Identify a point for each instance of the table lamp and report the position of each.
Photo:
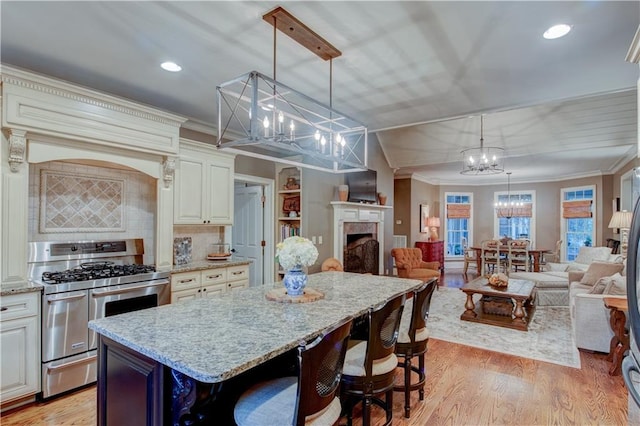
(622, 220)
(433, 223)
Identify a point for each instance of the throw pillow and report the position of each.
(557, 267)
(588, 255)
(598, 270)
(577, 267)
(617, 286)
(600, 285)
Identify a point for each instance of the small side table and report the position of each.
(620, 339)
(432, 251)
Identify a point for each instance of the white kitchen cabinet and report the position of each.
(208, 282)
(203, 191)
(19, 346)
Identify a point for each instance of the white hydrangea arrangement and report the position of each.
(295, 251)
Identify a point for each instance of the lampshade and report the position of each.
(485, 160)
(621, 220)
(433, 222)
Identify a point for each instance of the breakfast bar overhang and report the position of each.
(150, 361)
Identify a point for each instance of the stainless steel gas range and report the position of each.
(82, 281)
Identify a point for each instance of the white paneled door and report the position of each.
(248, 230)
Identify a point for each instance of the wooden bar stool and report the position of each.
(369, 366)
(309, 398)
(412, 341)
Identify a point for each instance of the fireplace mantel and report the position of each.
(346, 212)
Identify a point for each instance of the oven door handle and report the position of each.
(102, 293)
(54, 298)
(86, 360)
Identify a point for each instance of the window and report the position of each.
(458, 222)
(577, 220)
(516, 222)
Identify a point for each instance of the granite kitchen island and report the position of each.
(153, 363)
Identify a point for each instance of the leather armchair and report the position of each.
(410, 264)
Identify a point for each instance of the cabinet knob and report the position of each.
(204, 289)
(4, 308)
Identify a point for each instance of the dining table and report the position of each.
(536, 255)
(161, 360)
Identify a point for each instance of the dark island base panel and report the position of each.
(134, 390)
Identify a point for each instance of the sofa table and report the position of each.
(620, 340)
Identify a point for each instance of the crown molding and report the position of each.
(40, 83)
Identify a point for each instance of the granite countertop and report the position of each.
(23, 287)
(199, 265)
(214, 339)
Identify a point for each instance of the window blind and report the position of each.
(576, 209)
(458, 211)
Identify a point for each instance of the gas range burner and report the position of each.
(95, 270)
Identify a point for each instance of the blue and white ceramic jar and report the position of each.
(295, 280)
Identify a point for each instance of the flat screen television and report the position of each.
(362, 186)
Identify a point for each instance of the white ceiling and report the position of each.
(402, 63)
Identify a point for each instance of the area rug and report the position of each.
(549, 337)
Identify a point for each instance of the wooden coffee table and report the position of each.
(512, 306)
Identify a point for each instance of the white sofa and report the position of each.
(589, 316)
(552, 283)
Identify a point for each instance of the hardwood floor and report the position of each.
(465, 386)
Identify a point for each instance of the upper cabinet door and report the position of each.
(203, 191)
(221, 172)
(190, 179)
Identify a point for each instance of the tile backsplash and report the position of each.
(71, 202)
(88, 202)
(201, 238)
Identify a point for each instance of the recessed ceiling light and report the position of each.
(171, 66)
(557, 31)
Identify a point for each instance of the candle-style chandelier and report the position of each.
(260, 117)
(507, 209)
(485, 160)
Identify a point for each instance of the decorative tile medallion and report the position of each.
(77, 203)
(182, 250)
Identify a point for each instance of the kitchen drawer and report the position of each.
(233, 285)
(185, 281)
(19, 306)
(214, 276)
(237, 273)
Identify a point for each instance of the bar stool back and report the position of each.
(412, 341)
(369, 365)
(309, 398)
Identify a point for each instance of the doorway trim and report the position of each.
(268, 221)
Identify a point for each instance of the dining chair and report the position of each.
(413, 337)
(490, 256)
(518, 256)
(369, 366)
(310, 398)
(469, 256)
(554, 256)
